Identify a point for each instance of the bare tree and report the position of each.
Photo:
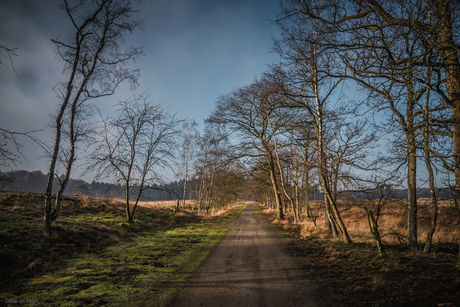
(95, 66)
(377, 197)
(284, 178)
(247, 112)
(304, 149)
(190, 139)
(134, 147)
(307, 76)
(212, 165)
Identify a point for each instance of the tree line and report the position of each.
(34, 181)
(365, 92)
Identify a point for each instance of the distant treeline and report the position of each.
(402, 194)
(394, 194)
(35, 181)
(25, 181)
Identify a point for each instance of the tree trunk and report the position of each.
(282, 179)
(208, 200)
(458, 258)
(333, 220)
(63, 183)
(279, 206)
(449, 54)
(307, 195)
(70, 160)
(185, 177)
(433, 200)
(412, 195)
(185, 190)
(374, 228)
(49, 182)
(57, 140)
(411, 175)
(176, 209)
(328, 222)
(128, 213)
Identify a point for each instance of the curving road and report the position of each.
(250, 268)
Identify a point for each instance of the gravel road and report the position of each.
(250, 267)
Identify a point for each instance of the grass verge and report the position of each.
(355, 275)
(92, 257)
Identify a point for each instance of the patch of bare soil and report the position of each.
(251, 268)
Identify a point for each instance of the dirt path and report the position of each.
(250, 268)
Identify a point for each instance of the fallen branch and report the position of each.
(401, 238)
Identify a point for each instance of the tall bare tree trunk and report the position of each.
(279, 206)
(331, 206)
(426, 149)
(281, 177)
(208, 199)
(449, 54)
(297, 193)
(70, 159)
(128, 213)
(411, 167)
(49, 182)
(57, 139)
(186, 173)
(307, 193)
(412, 193)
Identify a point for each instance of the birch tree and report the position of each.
(190, 139)
(94, 66)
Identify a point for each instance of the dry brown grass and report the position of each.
(166, 204)
(190, 207)
(119, 203)
(220, 211)
(356, 275)
(392, 223)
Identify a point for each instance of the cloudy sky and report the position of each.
(195, 51)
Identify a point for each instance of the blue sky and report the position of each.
(195, 51)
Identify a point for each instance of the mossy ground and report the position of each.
(356, 275)
(92, 257)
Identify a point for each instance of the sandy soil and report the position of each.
(249, 267)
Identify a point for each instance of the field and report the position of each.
(93, 257)
(356, 275)
(393, 223)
